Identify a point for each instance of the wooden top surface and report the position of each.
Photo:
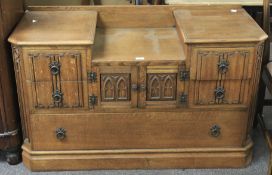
(213, 2)
(224, 25)
(137, 44)
(55, 28)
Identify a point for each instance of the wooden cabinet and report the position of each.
(123, 92)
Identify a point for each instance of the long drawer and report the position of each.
(137, 130)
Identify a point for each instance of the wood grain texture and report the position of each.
(127, 16)
(137, 130)
(36, 29)
(137, 44)
(228, 25)
(206, 62)
(138, 159)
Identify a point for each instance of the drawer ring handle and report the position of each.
(215, 131)
(54, 68)
(57, 96)
(223, 66)
(219, 93)
(60, 133)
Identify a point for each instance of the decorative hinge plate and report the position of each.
(92, 100)
(92, 76)
(184, 74)
(183, 98)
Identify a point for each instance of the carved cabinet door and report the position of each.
(160, 86)
(55, 78)
(115, 87)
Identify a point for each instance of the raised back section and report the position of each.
(133, 16)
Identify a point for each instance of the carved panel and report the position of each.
(56, 72)
(161, 87)
(115, 87)
(221, 92)
(18, 67)
(211, 62)
(222, 63)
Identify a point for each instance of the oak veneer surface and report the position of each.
(42, 28)
(128, 44)
(229, 25)
(128, 16)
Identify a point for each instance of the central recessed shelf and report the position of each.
(137, 44)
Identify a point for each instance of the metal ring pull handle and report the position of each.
(223, 66)
(60, 133)
(54, 68)
(215, 131)
(57, 96)
(219, 93)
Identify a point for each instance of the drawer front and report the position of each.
(225, 92)
(56, 78)
(137, 130)
(221, 63)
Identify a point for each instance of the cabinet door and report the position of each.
(160, 86)
(115, 87)
(55, 78)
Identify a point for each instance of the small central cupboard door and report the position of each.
(115, 87)
(159, 86)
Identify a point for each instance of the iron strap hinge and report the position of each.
(9, 133)
(92, 76)
(184, 73)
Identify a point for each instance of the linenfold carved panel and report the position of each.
(56, 79)
(161, 87)
(115, 87)
(215, 64)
